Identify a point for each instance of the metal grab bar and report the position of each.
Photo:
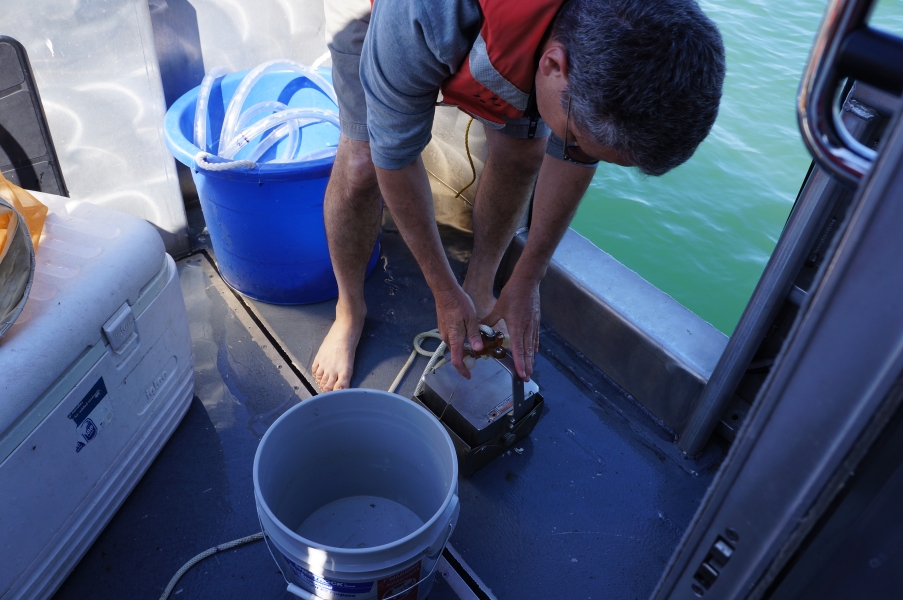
(844, 47)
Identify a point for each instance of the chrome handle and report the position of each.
(832, 146)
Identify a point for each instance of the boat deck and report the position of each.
(591, 505)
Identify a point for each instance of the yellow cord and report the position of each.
(469, 157)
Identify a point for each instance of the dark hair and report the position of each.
(644, 76)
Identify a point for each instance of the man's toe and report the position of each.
(342, 383)
(330, 381)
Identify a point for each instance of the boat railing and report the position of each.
(845, 47)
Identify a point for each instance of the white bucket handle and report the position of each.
(450, 510)
(209, 162)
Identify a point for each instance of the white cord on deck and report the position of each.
(418, 349)
(209, 552)
(437, 357)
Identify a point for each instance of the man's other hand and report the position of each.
(518, 305)
(458, 323)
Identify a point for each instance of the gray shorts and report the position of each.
(346, 26)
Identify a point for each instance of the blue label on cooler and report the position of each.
(91, 414)
(89, 402)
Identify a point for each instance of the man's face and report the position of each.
(551, 82)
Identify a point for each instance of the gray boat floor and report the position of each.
(591, 508)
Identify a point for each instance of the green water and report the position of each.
(704, 232)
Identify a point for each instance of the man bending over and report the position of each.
(558, 87)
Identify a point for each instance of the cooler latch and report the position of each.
(120, 328)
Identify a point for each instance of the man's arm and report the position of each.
(409, 198)
(559, 189)
(412, 46)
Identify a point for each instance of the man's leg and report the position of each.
(501, 200)
(352, 210)
(352, 206)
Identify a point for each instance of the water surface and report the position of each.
(704, 232)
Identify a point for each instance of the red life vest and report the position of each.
(496, 80)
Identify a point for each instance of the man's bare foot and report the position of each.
(334, 362)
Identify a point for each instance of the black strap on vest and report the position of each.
(532, 113)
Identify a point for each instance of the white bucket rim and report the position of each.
(359, 551)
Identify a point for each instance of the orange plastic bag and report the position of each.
(33, 212)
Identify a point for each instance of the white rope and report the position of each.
(210, 552)
(201, 159)
(321, 60)
(437, 357)
(487, 329)
(404, 370)
(418, 349)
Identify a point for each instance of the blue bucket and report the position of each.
(265, 224)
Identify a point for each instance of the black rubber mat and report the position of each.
(591, 505)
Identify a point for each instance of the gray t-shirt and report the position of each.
(412, 46)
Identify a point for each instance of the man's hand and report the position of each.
(519, 306)
(408, 196)
(458, 323)
(559, 187)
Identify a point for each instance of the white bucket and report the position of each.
(357, 493)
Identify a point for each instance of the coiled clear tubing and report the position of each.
(200, 111)
(282, 122)
(296, 118)
(248, 115)
(233, 113)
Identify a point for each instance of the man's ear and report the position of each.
(553, 62)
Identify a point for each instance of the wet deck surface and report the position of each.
(591, 508)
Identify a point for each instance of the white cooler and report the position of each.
(95, 375)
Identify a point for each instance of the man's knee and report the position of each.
(356, 169)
